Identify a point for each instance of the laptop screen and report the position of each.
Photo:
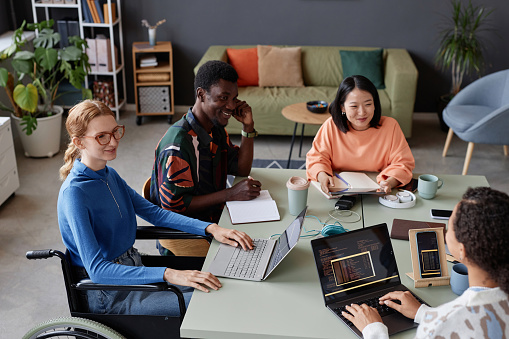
(286, 241)
(355, 263)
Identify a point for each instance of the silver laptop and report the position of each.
(258, 263)
(359, 267)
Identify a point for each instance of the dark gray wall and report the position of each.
(193, 25)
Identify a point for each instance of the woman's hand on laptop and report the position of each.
(362, 315)
(408, 307)
(230, 237)
(196, 279)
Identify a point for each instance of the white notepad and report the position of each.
(349, 183)
(262, 208)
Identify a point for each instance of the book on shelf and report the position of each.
(99, 10)
(113, 13)
(262, 208)
(87, 15)
(148, 60)
(62, 29)
(93, 11)
(73, 28)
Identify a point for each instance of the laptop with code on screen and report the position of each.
(359, 267)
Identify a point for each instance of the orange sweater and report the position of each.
(383, 149)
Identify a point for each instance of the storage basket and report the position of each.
(144, 77)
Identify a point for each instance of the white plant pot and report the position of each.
(45, 140)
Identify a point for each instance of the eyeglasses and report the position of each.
(104, 138)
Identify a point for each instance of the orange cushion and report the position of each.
(245, 62)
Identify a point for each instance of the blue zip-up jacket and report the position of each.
(97, 219)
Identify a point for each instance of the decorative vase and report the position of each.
(152, 36)
(45, 139)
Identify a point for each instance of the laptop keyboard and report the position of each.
(243, 264)
(383, 309)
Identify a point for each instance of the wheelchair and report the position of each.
(85, 325)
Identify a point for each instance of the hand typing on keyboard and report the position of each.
(363, 315)
(403, 302)
(230, 237)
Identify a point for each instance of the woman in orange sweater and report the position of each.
(358, 138)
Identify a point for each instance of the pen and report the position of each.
(251, 178)
(343, 180)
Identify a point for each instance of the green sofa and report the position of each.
(322, 74)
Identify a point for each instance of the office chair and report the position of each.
(195, 246)
(83, 324)
(480, 114)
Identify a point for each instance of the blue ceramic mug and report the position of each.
(459, 278)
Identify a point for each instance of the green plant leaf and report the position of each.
(23, 55)
(4, 76)
(47, 58)
(86, 93)
(26, 97)
(29, 124)
(47, 38)
(41, 25)
(23, 66)
(71, 53)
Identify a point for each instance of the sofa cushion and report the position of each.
(279, 66)
(367, 63)
(245, 62)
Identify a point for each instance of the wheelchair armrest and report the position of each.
(157, 232)
(87, 284)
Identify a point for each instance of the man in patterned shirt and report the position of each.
(194, 157)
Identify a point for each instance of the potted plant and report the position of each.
(461, 47)
(31, 82)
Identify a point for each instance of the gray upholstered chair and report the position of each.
(479, 114)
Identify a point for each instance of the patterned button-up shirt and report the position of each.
(190, 162)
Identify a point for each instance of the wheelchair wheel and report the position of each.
(72, 327)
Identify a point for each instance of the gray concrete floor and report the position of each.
(33, 291)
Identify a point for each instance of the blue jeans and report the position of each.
(163, 303)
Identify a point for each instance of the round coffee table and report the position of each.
(299, 113)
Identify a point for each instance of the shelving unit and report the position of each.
(153, 86)
(9, 180)
(112, 30)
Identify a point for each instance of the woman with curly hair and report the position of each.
(478, 236)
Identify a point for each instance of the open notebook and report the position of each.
(350, 183)
(262, 208)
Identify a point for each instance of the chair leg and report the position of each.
(506, 150)
(447, 142)
(468, 157)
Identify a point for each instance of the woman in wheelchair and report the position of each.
(97, 219)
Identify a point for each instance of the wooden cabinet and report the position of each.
(9, 180)
(112, 30)
(153, 85)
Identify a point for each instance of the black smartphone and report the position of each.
(440, 214)
(411, 186)
(429, 256)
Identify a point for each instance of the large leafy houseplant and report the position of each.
(34, 77)
(461, 42)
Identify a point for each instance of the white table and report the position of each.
(289, 304)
